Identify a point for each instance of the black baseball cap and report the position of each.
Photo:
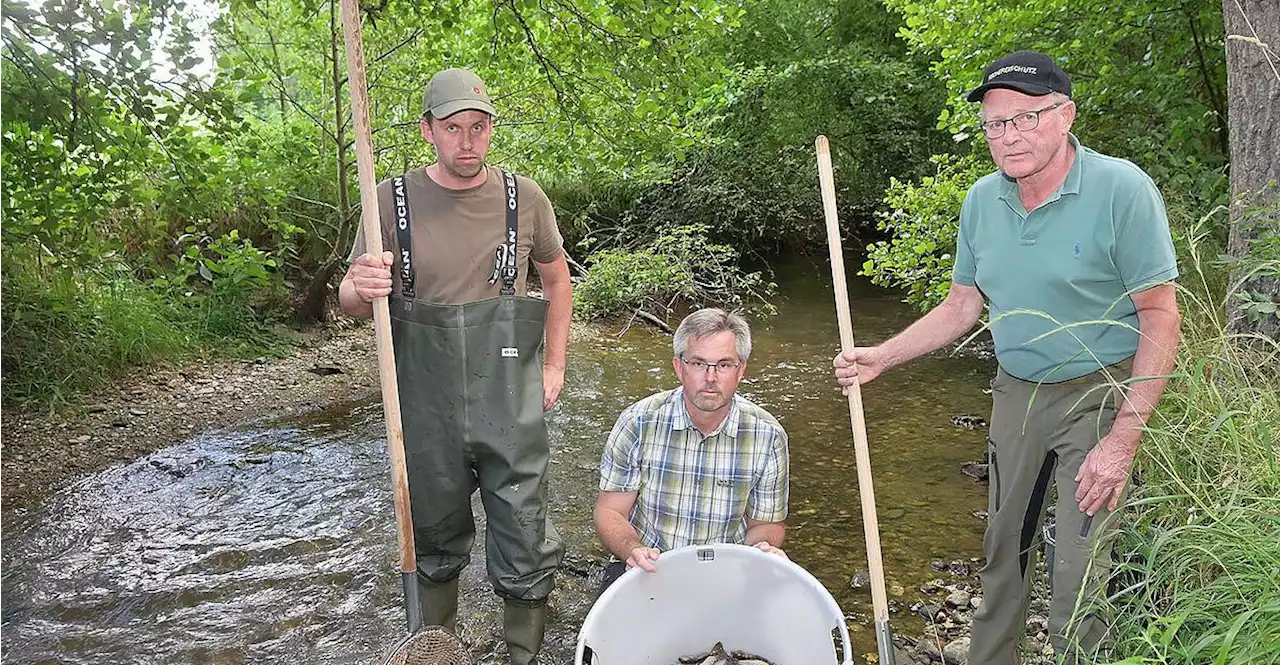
(1028, 72)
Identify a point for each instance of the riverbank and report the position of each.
(155, 405)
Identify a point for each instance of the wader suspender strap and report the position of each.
(505, 255)
(404, 236)
(509, 270)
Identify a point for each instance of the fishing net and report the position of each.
(433, 645)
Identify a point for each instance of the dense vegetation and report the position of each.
(160, 197)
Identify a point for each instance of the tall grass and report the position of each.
(1201, 582)
(66, 331)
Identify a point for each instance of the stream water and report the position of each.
(274, 543)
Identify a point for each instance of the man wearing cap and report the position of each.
(478, 362)
(1071, 251)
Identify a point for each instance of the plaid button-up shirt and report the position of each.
(693, 489)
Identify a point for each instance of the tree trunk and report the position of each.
(313, 306)
(339, 123)
(1253, 101)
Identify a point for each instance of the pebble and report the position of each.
(959, 598)
(929, 647)
(956, 652)
(860, 580)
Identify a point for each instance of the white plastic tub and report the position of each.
(749, 600)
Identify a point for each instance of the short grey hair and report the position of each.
(708, 322)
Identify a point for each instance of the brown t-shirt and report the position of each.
(455, 233)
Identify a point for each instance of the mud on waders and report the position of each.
(473, 419)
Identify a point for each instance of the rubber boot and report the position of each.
(523, 625)
(439, 603)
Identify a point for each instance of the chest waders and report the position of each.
(470, 379)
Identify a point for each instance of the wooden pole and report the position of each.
(372, 226)
(870, 525)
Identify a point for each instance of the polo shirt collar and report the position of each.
(1009, 189)
(680, 419)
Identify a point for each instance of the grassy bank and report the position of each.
(67, 331)
(1202, 581)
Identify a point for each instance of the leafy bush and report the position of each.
(922, 221)
(64, 332)
(756, 187)
(680, 266)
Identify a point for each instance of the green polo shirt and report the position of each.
(1058, 278)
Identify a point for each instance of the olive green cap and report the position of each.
(454, 90)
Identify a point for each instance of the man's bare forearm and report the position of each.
(1159, 327)
(770, 532)
(559, 313)
(943, 325)
(616, 532)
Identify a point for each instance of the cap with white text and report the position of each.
(1028, 72)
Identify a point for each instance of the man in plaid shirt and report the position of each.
(696, 465)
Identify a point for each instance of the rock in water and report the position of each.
(860, 580)
(976, 470)
(968, 421)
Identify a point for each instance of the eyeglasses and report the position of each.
(715, 368)
(1023, 122)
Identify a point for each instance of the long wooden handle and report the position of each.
(372, 227)
(870, 524)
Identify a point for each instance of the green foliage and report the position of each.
(797, 69)
(757, 188)
(608, 83)
(922, 221)
(680, 266)
(1259, 266)
(67, 330)
(53, 195)
(1149, 77)
(64, 332)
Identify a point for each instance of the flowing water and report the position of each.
(274, 544)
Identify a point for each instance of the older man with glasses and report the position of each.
(696, 465)
(1071, 251)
